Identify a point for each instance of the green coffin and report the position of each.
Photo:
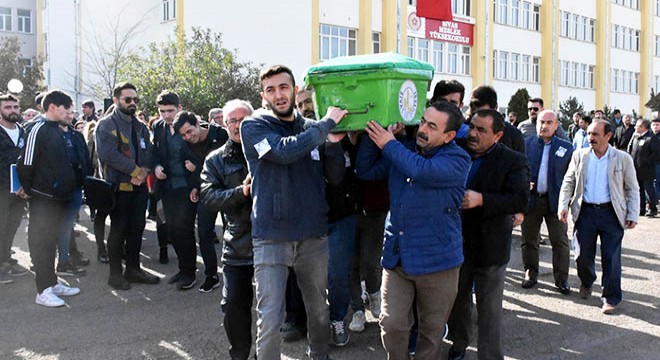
(387, 87)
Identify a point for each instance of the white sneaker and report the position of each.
(62, 290)
(374, 304)
(49, 299)
(357, 323)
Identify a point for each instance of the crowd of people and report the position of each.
(407, 222)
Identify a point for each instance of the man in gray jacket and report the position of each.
(123, 148)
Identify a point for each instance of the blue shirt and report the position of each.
(596, 186)
(580, 140)
(542, 181)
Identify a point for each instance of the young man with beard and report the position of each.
(12, 205)
(289, 213)
(202, 140)
(422, 250)
(124, 150)
(226, 188)
(49, 178)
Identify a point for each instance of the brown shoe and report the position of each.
(585, 292)
(608, 309)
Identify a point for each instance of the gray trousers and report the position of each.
(557, 230)
(489, 287)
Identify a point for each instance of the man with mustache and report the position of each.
(497, 187)
(305, 104)
(202, 139)
(600, 188)
(12, 204)
(422, 250)
(289, 212)
(124, 150)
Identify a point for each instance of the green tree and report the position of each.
(197, 67)
(14, 66)
(567, 108)
(654, 101)
(518, 103)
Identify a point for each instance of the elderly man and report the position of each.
(216, 117)
(548, 158)
(422, 252)
(601, 190)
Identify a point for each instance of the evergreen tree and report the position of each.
(518, 103)
(566, 110)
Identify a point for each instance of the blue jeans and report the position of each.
(272, 260)
(237, 294)
(647, 193)
(206, 235)
(603, 223)
(64, 237)
(341, 241)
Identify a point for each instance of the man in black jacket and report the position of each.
(12, 203)
(623, 134)
(645, 150)
(201, 140)
(497, 188)
(226, 187)
(49, 178)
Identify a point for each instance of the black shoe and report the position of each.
(163, 258)
(103, 258)
(140, 276)
(186, 282)
(293, 332)
(118, 282)
(528, 283)
(563, 287)
(455, 354)
(651, 214)
(175, 279)
(69, 269)
(210, 284)
(78, 259)
(152, 217)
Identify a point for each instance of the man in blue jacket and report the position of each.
(548, 158)
(289, 211)
(422, 251)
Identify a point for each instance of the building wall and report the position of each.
(28, 40)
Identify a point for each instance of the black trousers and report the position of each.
(127, 222)
(12, 209)
(180, 215)
(237, 297)
(45, 215)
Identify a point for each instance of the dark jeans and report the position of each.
(647, 193)
(180, 215)
(65, 238)
(99, 230)
(12, 209)
(46, 216)
(206, 235)
(488, 285)
(341, 240)
(126, 227)
(657, 181)
(367, 252)
(237, 296)
(591, 224)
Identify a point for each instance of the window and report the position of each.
(411, 46)
(438, 55)
(657, 45)
(503, 10)
(465, 60)
(576, 74)
(615, 77)
(536, 69)
(590, 77)
(169, 10)
(525, 68)
(625, 38)
(526, 14)
(657, 83)
(423, 50)
(375, 41)
(565, 20)
(412, 2)
(460, 7)
(24, 20)
(575, 25)
(515, 65)
(5, 19)
(537, 18)
(503, 72)
(592, 31)
(515, 11)
(615, 36)
(452, 58)
(657, 7)
(584, 25)
(336, 41)
(565, 74)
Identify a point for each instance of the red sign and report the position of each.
(450, 31)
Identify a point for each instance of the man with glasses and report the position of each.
(124, 150)
(528, 127)
(202, 139)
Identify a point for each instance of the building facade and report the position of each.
(603, 52)
(17, 19)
